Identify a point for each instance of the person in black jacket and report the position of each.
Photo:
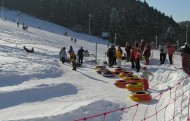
(80, 55)
(128, 48)
(114, 57)
(110, 55)
(186, 50)
(163, 52)
(70, 50)
(28, 50)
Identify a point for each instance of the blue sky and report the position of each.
(179, 9)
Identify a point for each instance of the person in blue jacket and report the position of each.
(70, 50)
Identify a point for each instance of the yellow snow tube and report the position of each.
(140, 96)
(134, 87)
(125, 74)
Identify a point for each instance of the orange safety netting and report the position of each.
(180, 111)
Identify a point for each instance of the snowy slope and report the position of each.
(38, 87)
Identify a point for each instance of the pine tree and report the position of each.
(170, 35)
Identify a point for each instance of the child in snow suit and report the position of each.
(145, 76)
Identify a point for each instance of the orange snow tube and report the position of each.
(98, 67)
(134, 87)
(118, 71)
(131, 79)
(125, 74)
(108, 74)
(121, 83)
(140, 96)
(100, 70)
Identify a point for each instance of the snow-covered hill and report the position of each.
(38, 87)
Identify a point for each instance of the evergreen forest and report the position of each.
(132, 20)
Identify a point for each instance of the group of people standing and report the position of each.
(166, 48)
(114, 55)
(138, 51)
(134, 54)
(73, 56)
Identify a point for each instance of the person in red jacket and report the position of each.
(137, 59)
(171, 50)
(132, 57)
(147, 53)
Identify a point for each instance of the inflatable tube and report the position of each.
(100, 70)
(133, 79)
(118, 71)
(140, 96)
(134, 87)
(108, 74)
(130, 77)
(125, 74)
(99, 67)
(121, 83)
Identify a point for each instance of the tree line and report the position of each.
(132, 20)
